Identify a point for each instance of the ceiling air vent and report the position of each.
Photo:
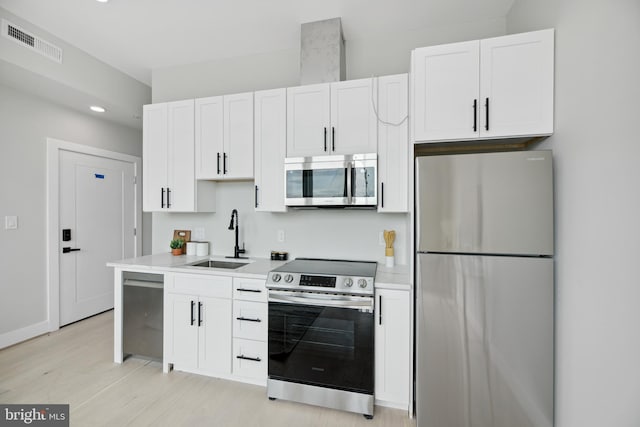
(27, 39)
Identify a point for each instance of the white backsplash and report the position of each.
(322, 233)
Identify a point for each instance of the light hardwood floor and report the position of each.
(74, 365)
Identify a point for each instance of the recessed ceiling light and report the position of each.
(102, 1)
(97, 109)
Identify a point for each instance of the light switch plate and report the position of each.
(10, 222)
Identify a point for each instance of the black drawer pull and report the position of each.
(253, 359)
(247, 319)
(249, 290)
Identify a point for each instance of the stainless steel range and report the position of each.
(321, 333)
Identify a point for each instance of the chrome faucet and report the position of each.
(236, 249)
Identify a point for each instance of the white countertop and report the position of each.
(397, 277)
(256, 267)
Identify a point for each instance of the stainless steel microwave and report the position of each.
(339, 181)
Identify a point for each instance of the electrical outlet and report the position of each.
(10, 222)
(281, 236)
(381, 239)
(198, 234)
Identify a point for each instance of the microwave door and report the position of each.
(317, 186)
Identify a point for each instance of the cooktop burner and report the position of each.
(324, 275)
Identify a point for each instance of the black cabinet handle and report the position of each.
(162, 198)
(224, 163)
(333, 138)
(193, 319)
(199, 314)
(253, 359)
(248, 290)
(247, 319)
(486, 106)
(475, 115)
(380, 310)
(168, 197)
(67, 250)
(325, 139)
(382, 193)
(256, 196)
(218, 163)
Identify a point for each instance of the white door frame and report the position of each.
(54, 147)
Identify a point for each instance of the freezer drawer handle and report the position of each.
(253, 359)
(247, 319)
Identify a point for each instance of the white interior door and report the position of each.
(97, 205)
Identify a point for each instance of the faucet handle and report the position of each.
(243, 250)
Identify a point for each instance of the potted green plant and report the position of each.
(176, 246)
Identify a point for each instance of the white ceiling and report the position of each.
(136, 36)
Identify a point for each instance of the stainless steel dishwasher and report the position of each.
(142, 314)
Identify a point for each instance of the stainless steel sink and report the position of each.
(219, 264)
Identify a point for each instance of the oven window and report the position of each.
(316, 183)
(323, 346)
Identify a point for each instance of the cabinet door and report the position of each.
(214, 317)
(516, 79)
(270, 149)
(209, 137)
(184, 346)
(393, 347)
(308, 120)
(393, 143)
(154, 157)
(446, 88)
(181, 173)
(238, 136)
(353, 118)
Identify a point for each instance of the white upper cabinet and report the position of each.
(494, 88)
(270, 149)
(446, 86)
(331, 118)
(353, 118)
(209, 137)
(224, 137)
(393, 143)
(516, 84)
(308, 120)
(168, 160)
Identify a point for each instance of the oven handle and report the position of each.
(338, 301)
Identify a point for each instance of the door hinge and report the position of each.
(135, 231)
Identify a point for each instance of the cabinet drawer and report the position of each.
(250, 289)
(203, 285)
(250, 320)
(250, 359)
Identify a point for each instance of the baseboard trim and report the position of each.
(14, 337)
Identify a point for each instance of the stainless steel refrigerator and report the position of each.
(485, 290)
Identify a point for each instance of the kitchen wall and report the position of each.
(26, 121)
(320, 233)
(596, 152)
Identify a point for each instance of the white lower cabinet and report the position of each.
(250, 329)
(198, 323)
(250, 359)
(393, 348)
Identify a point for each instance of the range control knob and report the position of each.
(276, 277)
(348, 282)
(288, 278)
(362, 283)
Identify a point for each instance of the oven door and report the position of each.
(322, 340)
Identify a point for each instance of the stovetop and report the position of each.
(324, 275)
